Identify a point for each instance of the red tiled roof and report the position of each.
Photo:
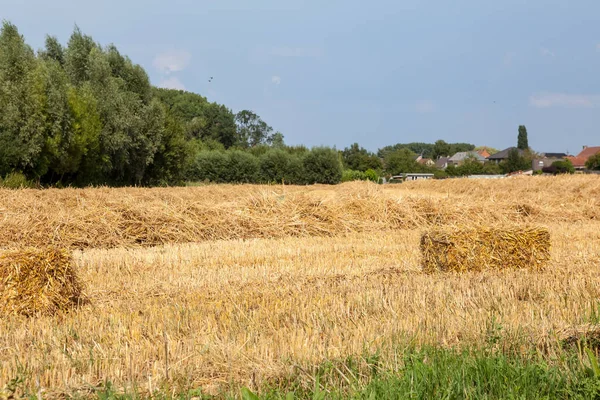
(577, 161)
(588, 152)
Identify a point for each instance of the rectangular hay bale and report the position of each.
(37, 281)
(480, 248)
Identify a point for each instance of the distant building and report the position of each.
(442, 162)
(546, 160)
(503, 155)
(554, 155)
(411, 177)
(426, 161)
(460, 157)
(539, 163)
(484, 152)
(580, 159)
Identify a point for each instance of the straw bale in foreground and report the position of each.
(480, 248)
(37, 281)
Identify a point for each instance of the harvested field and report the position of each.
(476, 248)
(278, 285)
(108, 218)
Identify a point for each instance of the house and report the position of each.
(483, 152)
(580, 159)
(538, 164)
(546, 160)
(554, 155)
(411, 177)
(442, 162)
(426, 161)
(462, 156)
(503, 155)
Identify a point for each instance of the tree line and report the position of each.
(84, 114)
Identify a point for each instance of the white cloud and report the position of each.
(172, 61)
(297, 51)
(565, 100)
(547, 53)
(425, 106)
(276, 79)
(172, 83)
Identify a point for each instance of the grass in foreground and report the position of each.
(426, 373)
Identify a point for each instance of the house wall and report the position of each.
(539, 163)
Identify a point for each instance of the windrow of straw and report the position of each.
(132, 217)
(108, 218)
(480, 248)
(34, 282)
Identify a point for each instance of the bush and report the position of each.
(16, 180)
(273, 166)
(564, 167)
(350, 175)
(372, 175)
(210, 165)
(440, 174)
(593, 163)
(322, 165)
(242, 167)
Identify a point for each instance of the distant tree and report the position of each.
(401, 161)
(441, 149)
(22, 99)
(593, 163)
(322, 165)
(53, 50)
(251, 129)
(470, 166)
(515, 162)
(359, 159)
(522, 142)
(276, 140)
(564, 167)
(491, 168)
(460, 147)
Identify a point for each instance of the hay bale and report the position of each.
(479, 248)
(37, 281)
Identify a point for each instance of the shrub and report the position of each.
(212, 166)
(593, 163)
(242, 167)
(350, 175)
(273, 166)
(372, 175)
(322, 165)
(564, 167)
(440, 174)
(16, 180)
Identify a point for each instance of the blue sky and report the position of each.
(333, 72)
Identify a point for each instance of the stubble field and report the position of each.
(220, 287)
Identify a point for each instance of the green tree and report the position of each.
(359, 159)
(515, 162)
(22, 97)
(401, 161)
(77, 56)
(53, 50)
(470, 166)
(251, 129)
(322, 165)
(441, 149)
(277, 140)
(563, 167)
(593, 163)
(522, 142)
